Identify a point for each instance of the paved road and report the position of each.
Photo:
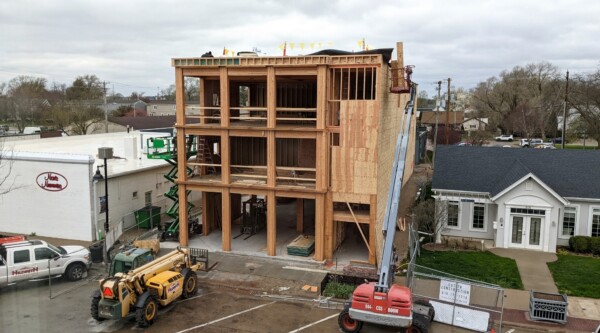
(27, 308)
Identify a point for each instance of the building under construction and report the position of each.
(293, 145)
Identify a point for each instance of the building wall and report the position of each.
(390, 124)
(583, 222)
(465, 217)
(28, 208)
(535, 197)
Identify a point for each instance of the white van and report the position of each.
(36, 259)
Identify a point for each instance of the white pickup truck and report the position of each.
(36, 259)
(504, 137)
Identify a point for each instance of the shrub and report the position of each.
(338, 290)
(595, 245)
(580, 244)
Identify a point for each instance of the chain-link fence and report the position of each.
(457, 301)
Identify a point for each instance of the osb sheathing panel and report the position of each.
(391, 122)
(353, 162)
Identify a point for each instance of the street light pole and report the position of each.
(105, 153)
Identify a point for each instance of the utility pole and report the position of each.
(437, 111)
(446, 130)
(564, 124)
(105, 107)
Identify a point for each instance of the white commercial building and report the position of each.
(51, 191)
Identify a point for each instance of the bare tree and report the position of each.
(431, 217)
(6, 165)
(525, 99)
(585, 98)
(84, 118)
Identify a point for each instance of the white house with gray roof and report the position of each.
(518, 198)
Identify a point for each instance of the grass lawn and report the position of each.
(577, 275)
(587, 147)
(481, 266)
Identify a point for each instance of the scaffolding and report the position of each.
(165, 148)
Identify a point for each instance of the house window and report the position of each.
(452, 214)
(596, 223)
(478, 216)
(134, 195)
(154, 107)
(568, 223)
(148, 198)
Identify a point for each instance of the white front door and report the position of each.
(526, 232)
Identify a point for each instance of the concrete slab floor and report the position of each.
(352, 248)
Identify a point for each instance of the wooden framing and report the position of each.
(351, 101)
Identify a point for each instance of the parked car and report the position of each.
(504, 137)
(37, 259)
(464, 144)
(526, 143)
(557, 140)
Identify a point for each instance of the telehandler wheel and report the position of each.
(418, 326)
(190, 285)
(347, 324)
(94, 309)
(145, 315)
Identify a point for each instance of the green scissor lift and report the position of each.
(165, 148)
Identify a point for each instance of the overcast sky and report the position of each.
(130, 43)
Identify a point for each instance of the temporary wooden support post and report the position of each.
(226, 220)
(300, 215)
(271, 224)
(372, 223)
(360, 230)
(205, 214)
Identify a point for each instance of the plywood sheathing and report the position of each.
(354, 161)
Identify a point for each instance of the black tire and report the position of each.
(347, 324)
(190, 285)
(75, 271)
(418, 326)
(426, 303)
(146, 314)
(94, 309)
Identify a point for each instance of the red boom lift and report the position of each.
(383, 302)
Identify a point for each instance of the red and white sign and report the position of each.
(52, 181)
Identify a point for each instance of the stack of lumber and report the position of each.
(301, 246)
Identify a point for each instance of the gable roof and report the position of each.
(570, 173)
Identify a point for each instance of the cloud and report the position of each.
(132, 42)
